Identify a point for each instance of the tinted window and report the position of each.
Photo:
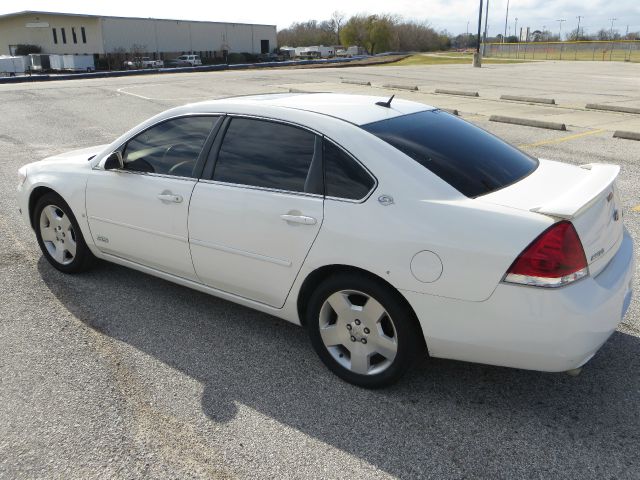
(170, 148)
(471, 160)
(265, 154)
(344, 177)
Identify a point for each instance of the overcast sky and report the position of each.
(452, 15)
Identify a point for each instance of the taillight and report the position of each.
(554, 259)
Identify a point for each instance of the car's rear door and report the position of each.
(257, 213)
(140, 212)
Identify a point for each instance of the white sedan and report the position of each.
(389, 228)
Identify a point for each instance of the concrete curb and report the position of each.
(528, 123)
(627, 135)
(517, 98)
(355, 82)
(413, 88)
(613, 108)
(457, 92)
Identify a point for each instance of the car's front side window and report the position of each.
(169, 148)
(265, 154)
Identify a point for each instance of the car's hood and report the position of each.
(74, 157)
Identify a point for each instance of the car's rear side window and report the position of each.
(468, 158)
(265, 154)
(344, 177)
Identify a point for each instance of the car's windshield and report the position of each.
(468, 158)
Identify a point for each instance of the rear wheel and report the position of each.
(59, 235)
(363, 330)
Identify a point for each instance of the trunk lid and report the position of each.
(585, 195)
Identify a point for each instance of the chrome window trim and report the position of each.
(255, 187)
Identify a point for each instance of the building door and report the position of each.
(264, 46)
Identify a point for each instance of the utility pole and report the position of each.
(611, 31)
(506, 20)
(486, 23)
(476, 57)
(578, 32)
(560, 20)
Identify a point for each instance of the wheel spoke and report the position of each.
(340, 304)
(70, 246)
(359, 360)
(48, 234)
(385, 346)
(58, 254)
(372, 311)
(65, 223)
(50, 213)
(333, 336)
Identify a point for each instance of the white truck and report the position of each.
(143, 62)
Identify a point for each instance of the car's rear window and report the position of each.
(468, 158)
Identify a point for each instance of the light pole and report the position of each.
(486, 22)
(544, 35)
(506, 20)
(560, 20)
(611, 31)
(476, 56)
(515, 30)
(579, 17)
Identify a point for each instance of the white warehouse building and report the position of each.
(104, 36)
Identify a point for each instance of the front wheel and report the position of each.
(59, 235)
(363, 330)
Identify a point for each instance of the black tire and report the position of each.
(83, 258)
(406, 333)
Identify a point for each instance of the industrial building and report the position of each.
(107, 37)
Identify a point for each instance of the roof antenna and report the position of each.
(386, 104)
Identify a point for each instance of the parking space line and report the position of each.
(636, 208)
(122, 90)
(562, 139)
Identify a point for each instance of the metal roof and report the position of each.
(37, 12)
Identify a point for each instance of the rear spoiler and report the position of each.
(577, 199)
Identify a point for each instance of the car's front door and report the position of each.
(252, 224)
(140, 212)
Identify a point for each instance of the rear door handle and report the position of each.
(170, 197)
(299, 219)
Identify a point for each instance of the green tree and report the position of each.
(373, 32)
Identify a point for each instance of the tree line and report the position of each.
(376, 33)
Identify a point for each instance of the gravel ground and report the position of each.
(116, 374)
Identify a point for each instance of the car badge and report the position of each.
(385, 200)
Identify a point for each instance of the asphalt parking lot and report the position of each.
(116, 374)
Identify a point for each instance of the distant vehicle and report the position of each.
(270, 57)
(193, 60)
(176, 62)
(143, 62)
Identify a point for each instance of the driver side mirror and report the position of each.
(114, 161)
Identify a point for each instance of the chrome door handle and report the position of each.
(299, 219)
(170, 197)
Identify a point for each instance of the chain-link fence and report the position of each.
(603, 51)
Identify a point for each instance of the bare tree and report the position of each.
(337, 20)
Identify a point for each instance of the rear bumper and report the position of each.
(528, 327)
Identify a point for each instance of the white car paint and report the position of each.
(260, 260)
